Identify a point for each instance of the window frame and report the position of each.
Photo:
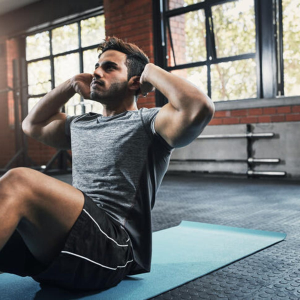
(80, 50)
(268, 56)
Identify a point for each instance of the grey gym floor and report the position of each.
(264, 204)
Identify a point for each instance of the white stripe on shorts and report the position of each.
(106, 267)
(103, 231)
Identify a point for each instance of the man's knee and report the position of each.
(13, 177)
(13, 184)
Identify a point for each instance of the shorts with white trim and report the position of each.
(96, 256)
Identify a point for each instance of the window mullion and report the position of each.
(51, 61)
(80, 63)
(80, 48)
(267, 49)
(208, 49)
(211, 34)
(279, 43)
(171, 41)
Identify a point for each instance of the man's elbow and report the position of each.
(210, 108)
(26, 127)
(29, 129)
(204, 112)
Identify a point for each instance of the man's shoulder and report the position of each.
(149, 112)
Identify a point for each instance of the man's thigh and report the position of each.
(51, 209)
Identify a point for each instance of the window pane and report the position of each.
(92, 31)
(291, 44)
(90, 58)
(197, 76)
(234, 80)
(179, 3)
(37, 45)
(188, 36)
(65, 38)
(234, 28)
(32, 102)
(73, 106)
(65, 67)
(39, 77)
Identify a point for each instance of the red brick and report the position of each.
(216, 122)
(221, 114)
(240, 112)
(293, 117)
(231, 121)
(249, 120)
(264, 119)
(278, 118)
(283, 109)
(269, 111)
(255, 111)
(296, 108)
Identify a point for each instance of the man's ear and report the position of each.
(134, 83)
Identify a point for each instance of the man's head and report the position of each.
(136, 59)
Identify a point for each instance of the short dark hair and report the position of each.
(136, 59)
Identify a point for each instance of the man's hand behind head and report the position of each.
(81, 84)
(145, 86)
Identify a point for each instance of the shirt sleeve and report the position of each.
(68, 125)
(148, 117)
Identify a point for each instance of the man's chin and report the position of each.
(95, 96)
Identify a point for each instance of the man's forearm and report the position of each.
(51, 103)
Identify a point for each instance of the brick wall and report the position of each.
(39, 153)
(131, 20)
(257, 115)
(7, 135)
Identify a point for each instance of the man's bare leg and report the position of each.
(43, 210)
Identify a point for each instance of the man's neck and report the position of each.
(109, 111)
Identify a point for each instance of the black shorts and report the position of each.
(97, 254)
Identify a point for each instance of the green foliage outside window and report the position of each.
(234, 28)
(291, 45)
(234, 80)
(39, 78)
(92, 29)
(38, 45)
(65, 38)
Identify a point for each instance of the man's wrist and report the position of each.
(70, 85)
(147, 71)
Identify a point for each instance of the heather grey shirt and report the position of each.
(120, 162)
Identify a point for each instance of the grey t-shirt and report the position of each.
(120, 162)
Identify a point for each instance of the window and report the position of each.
(216, 46)
(232, 49)
(289, 17)
(55, 55)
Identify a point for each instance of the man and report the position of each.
(94, 233)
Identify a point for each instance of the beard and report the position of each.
(116, 92)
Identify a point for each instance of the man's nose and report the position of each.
(98, 73)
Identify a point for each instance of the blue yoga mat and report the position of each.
(180, 254)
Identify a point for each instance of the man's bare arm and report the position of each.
(189, 110)
(45, 122)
